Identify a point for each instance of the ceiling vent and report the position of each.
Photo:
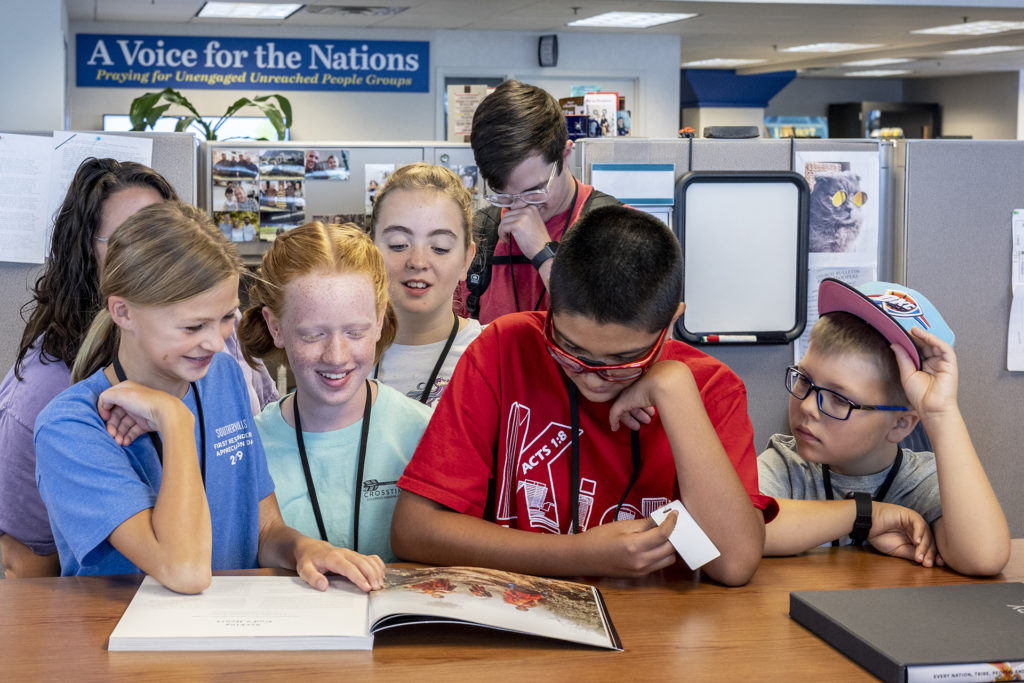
(354, 11)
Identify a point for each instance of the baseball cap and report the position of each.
(890, 308)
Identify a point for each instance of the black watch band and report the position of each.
(544, 255)
(862, 524)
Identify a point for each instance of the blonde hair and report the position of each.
(165, 253)
(428, 177)
(319, 249)
(839, 332)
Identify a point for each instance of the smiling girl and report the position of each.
(336, 445)
(193, 495)
(421, 223)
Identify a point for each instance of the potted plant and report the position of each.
(146, 109)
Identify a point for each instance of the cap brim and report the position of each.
(836, 295)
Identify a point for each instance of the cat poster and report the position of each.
(844, 216)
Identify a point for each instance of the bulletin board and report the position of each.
(744, 237)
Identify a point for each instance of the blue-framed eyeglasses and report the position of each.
(830, 403)
(535, 197)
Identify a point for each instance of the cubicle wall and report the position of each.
(760, 366)
(174, 155)
(954, 244)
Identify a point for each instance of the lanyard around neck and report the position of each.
(574, 463)
(155, 436)
(425, 396)
(359, 472)
(880, 492)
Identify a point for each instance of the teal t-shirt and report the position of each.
(396, 425)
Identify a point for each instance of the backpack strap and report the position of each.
(485, 232)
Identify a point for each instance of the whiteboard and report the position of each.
(744, 241)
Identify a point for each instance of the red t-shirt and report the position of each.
(507, 397)
(529, 293)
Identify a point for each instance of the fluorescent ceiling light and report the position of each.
(247, 10)
(878, 73)
(720, 63)
(883, 61)
(991, 49)
(630, 19)
(974, 28)
(830, 47)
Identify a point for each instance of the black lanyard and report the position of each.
(574, 465)
(425, 396)
(359, 472)
(880, 492)
(511, 266)
(155, 436)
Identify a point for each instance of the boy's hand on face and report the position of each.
(932, 389)
(901, 532)
(637, 404)
(526, 227)
(630, 548)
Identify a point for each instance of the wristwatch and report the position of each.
(546, 253)
(862, 524)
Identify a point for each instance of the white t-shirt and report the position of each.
(407, 368)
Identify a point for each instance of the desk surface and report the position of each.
(671, 626)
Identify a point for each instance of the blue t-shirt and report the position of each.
(91, 485)
(396, 425)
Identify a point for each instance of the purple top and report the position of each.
(22, 513)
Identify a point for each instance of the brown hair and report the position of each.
(428, 177)
(66, 296)
(840, 332)
(165, 253)
(513, 123)
(312, 248)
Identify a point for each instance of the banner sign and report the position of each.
(119, 61)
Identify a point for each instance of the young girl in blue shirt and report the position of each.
(150, 462)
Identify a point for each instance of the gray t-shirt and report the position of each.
(784, 474)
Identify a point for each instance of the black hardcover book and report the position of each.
(968, 632)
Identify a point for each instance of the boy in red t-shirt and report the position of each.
(499, 459)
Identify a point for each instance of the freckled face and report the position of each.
(329, 328)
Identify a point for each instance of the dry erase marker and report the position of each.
(729, 338)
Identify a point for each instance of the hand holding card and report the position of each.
(689, 540)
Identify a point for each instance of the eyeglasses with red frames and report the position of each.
(622, 372)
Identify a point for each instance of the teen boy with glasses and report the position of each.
(880, 359)
(561, 431)
(521, 144)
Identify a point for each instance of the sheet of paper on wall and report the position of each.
(70, 148)
(648, 187)
(1015, 333)
(851, 275)
(24, 197)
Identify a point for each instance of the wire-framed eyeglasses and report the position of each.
(536, 196)
(621, 372)
(830, 403)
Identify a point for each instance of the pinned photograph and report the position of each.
(326, 164)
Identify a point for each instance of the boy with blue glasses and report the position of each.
(880, 360)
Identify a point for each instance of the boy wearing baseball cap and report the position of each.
(880, 359)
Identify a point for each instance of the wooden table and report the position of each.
(673, 627)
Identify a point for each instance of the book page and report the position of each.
(488, 597)
(239, 607)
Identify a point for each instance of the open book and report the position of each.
(283, 613)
